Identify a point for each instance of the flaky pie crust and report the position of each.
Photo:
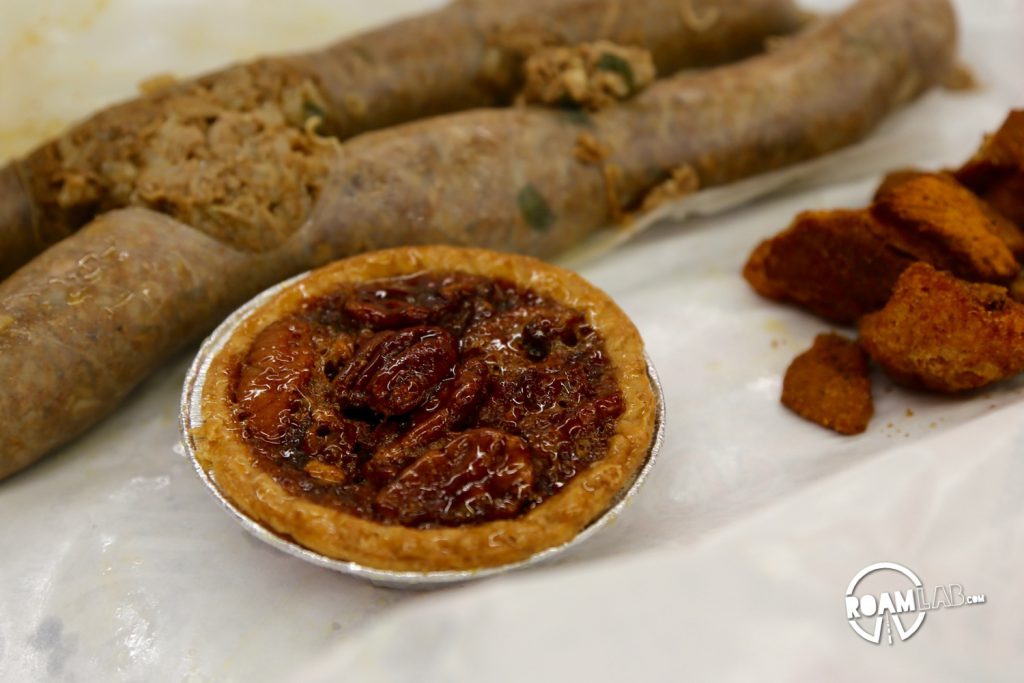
(220, 450)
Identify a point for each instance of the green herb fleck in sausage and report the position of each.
(534, 208)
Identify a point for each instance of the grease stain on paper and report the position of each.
(50, 640)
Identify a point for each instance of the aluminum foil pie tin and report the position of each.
(191, 418)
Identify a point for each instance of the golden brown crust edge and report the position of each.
(336, 534)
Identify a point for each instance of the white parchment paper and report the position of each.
(116, 564)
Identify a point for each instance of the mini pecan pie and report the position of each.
(426, 409)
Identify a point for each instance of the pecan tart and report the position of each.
(428, 409)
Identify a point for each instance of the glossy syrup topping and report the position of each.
(435, 399)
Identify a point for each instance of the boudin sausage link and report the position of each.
(72, 343)
(85, 322)
(467, 54)
(237, 153)
(512, 180)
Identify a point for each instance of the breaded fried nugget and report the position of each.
(944, 334)
(1017, 289)
(998, 224)
(996, 171)
(756, 275)
(1007, 197)
(897, 177)
(935, 219)
(831, 262)
(829, 384)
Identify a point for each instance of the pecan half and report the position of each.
(394, 372)
(382, 312)
(452, 405)
(481, 474)
(269, 389)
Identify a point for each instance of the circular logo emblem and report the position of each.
(883, 597)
